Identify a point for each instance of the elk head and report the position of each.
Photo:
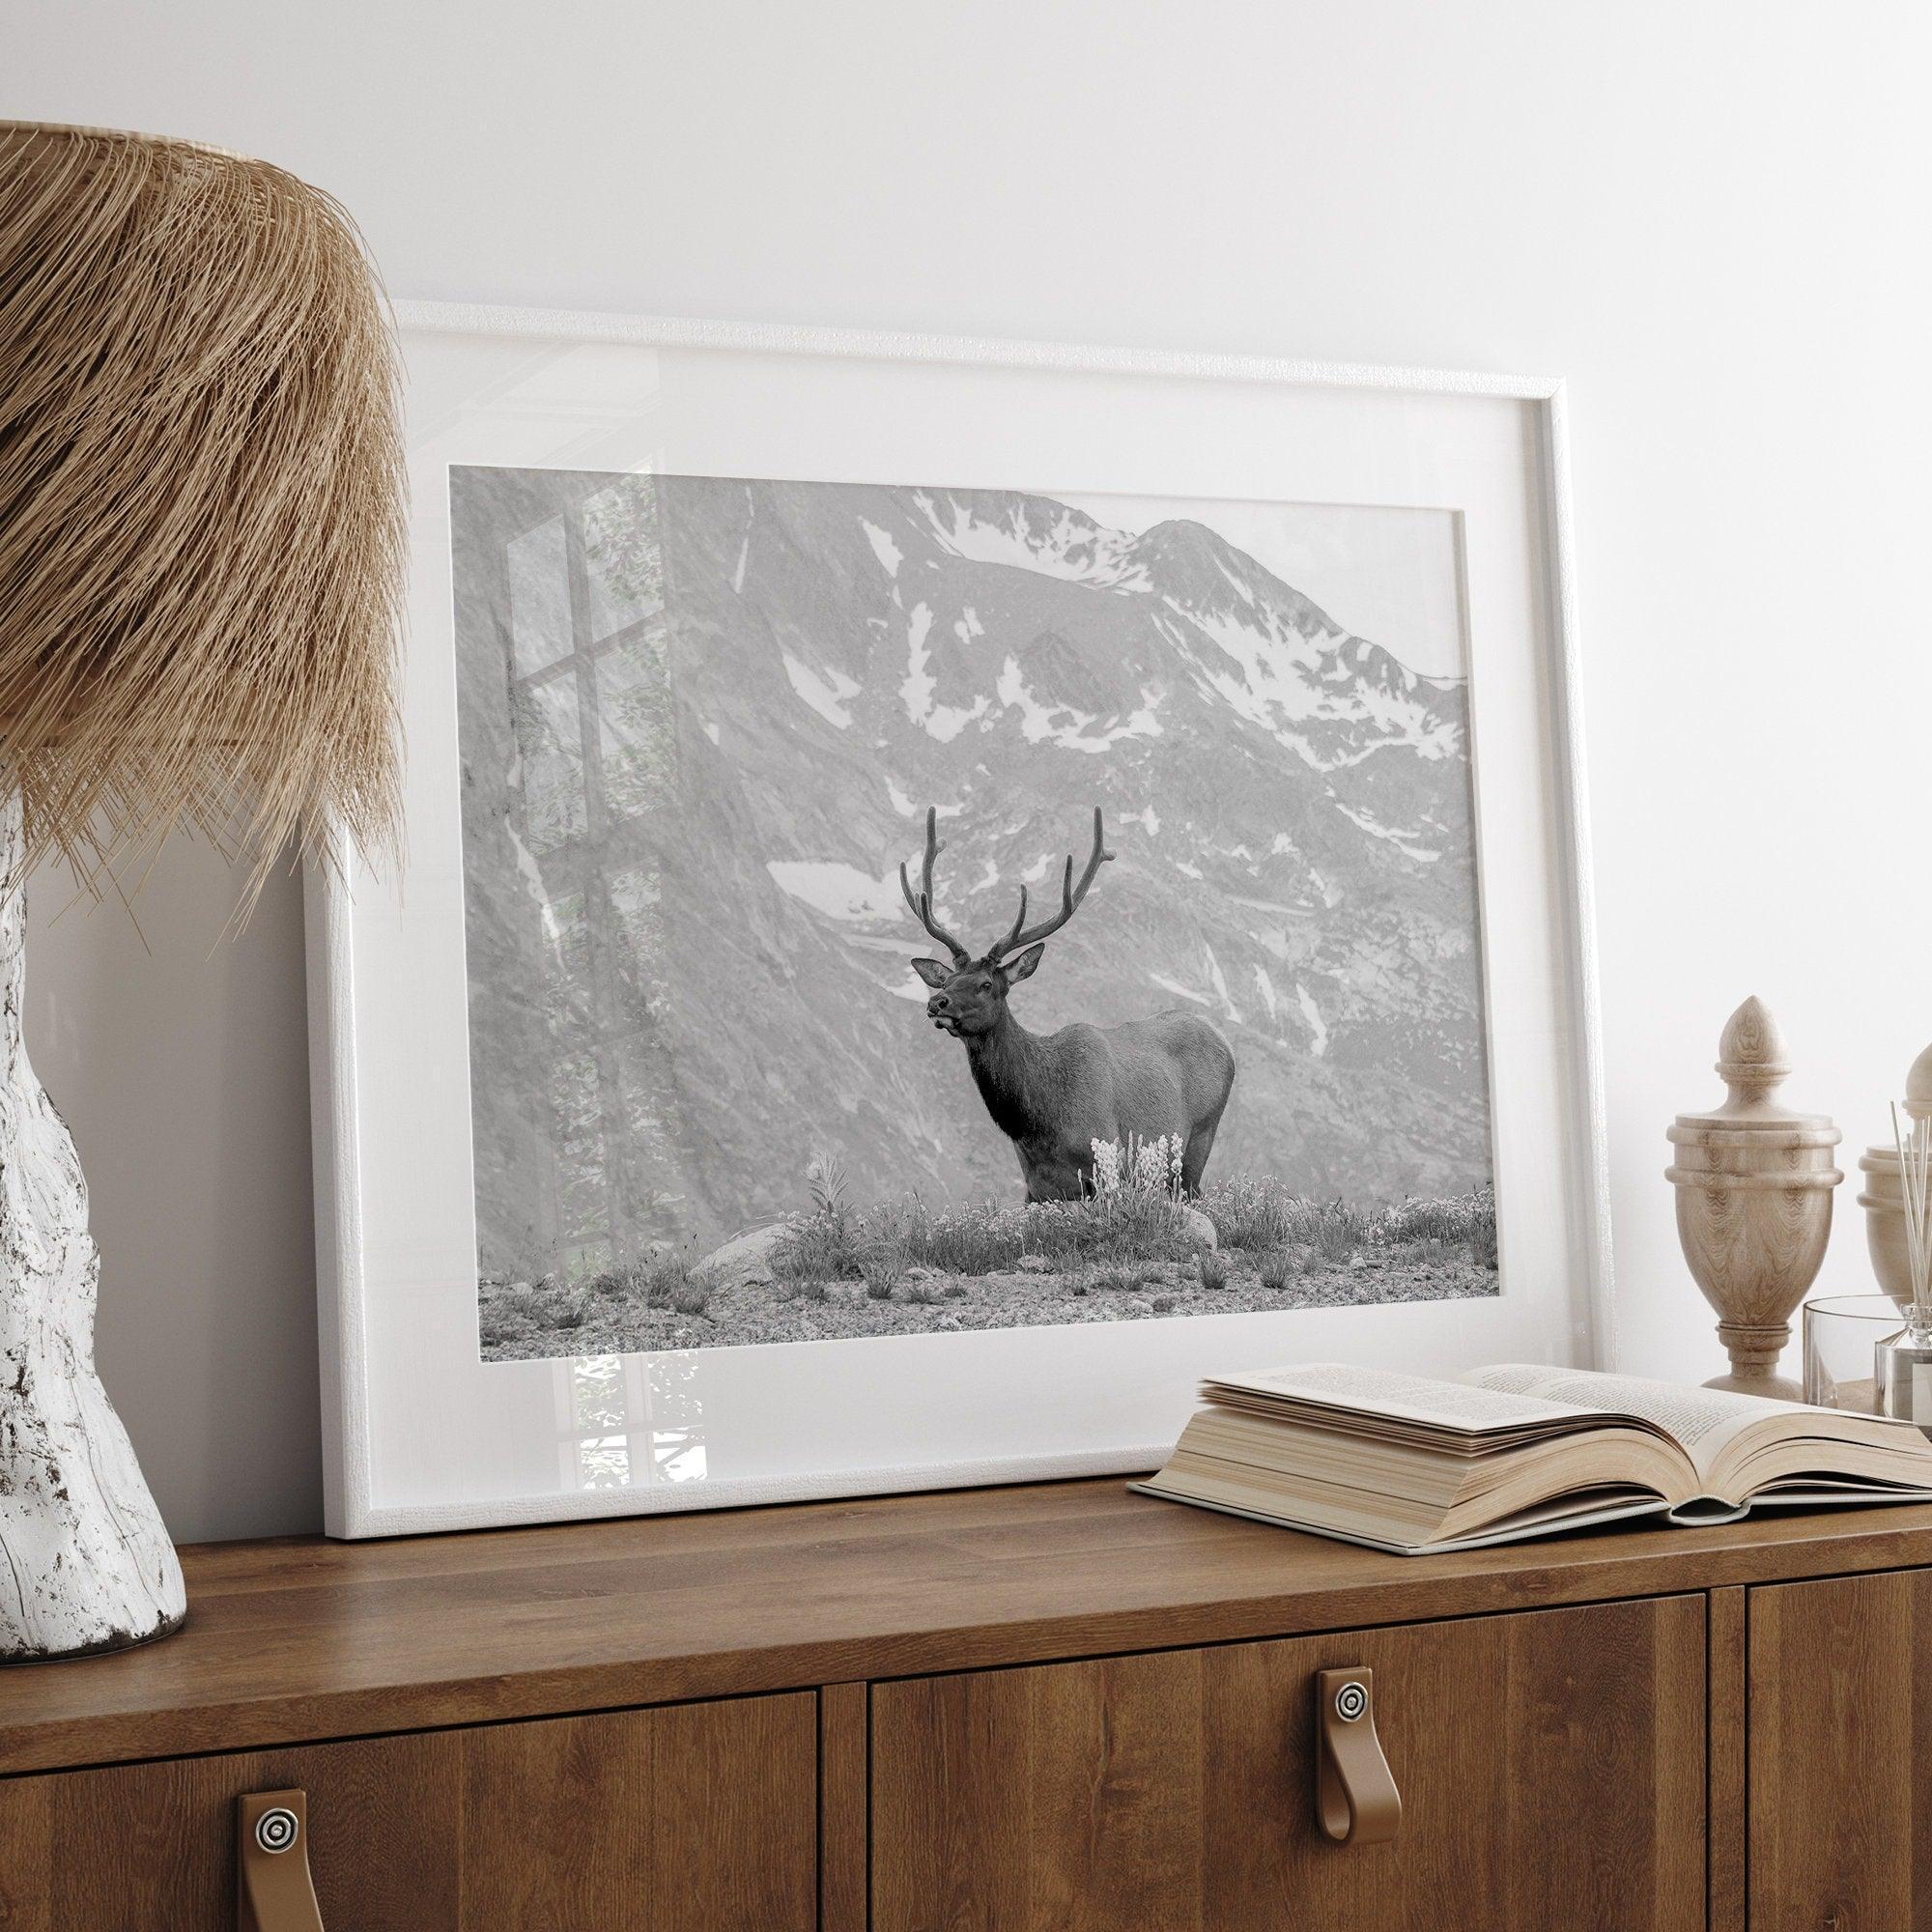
(969, 995)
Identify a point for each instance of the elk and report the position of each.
(1054, 1095)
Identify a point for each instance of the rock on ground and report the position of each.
(1200, 1229)
(746, 1260)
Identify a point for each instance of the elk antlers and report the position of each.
(1070, 895)
(922, 906)
(1022, 935)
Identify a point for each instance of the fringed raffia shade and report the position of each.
(201, 503)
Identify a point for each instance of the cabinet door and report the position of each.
(1551, 1766)
(694, 1818)
(1838, 1737)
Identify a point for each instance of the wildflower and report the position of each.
(1107, 1175)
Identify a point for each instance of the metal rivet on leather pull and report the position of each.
(277, 1830)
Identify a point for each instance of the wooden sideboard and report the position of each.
(999, 1710)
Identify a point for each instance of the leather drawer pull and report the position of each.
(272, 1888)
(1355, 1799)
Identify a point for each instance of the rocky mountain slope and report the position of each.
(791, 672)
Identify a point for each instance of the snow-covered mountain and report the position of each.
(1288, 804)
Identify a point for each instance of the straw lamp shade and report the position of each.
(201, 507)
(201, 556)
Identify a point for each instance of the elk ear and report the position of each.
(932, 972)
(1021, 968)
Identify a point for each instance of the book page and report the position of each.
(1703, 1421)
(1459, 1406)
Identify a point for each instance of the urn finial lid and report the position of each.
(1754, 1064)
(1751, 1060)
(1919, 1086)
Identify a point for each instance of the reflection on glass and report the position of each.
(622, 558)
(539, 571)
(597, 1392)
(550, 745)
(676, 1417)
(611, 1400)
(571, 751)
(634, 722)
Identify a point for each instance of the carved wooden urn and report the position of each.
(1883, 1199)
(1753, 1182)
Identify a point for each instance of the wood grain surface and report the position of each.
(1840, 1734)
(306, 1639)
(300, 1641)
(844, 1802)
(1550, 1765)
(1725, 1735)
(699, 1818)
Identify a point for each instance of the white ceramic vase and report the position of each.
(85, 1561)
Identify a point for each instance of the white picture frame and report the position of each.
(420, 1434)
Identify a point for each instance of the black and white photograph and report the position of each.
(902, 909)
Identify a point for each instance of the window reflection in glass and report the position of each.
(539, 597)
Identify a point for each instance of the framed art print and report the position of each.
(951, 889)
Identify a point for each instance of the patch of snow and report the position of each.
(1265, 987)
(1064, 726)
(1219, 982)
(1274, 681)
(711, 732)
(1402, 842)
(944, 722)
(1243, 590)
(836, 890)
(1312, 1014)
(826, 693)
(1149, 821)
(908, 807)
(1191, 871)
(1174, 986)
(531, 874)
(920, 683)
(884, 548)
(1071, 546)
(1274, 676)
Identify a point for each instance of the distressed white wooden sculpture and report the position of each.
(85, 1562)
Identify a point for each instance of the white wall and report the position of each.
(1708, 214)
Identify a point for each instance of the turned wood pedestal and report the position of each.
(1755, 1183)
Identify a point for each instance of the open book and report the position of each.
(1407, 1464)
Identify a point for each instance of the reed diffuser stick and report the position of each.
(1914, 1186)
